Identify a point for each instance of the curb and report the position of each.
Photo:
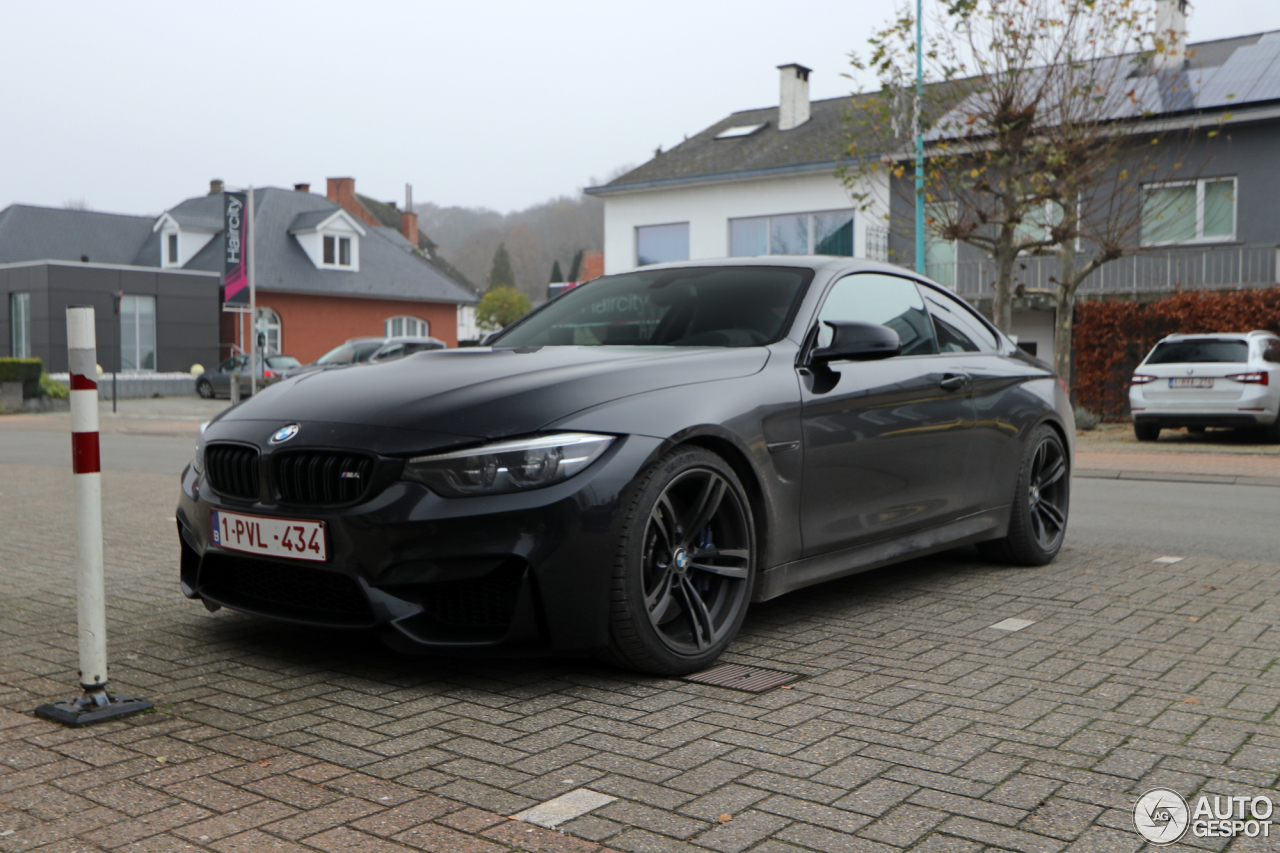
(1213, 479)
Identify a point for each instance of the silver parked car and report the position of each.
(217, 382)
(1199, 381)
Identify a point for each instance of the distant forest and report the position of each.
(536, 237)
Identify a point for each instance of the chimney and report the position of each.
(793, 108)
(215, 186)
(409, 219)
(342, 191)
(302, 188)
(1171, 35)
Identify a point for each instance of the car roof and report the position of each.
(406, 339)
(1239, 336)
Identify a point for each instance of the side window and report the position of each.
(1271, 351)
(883, 299)
(959, 329)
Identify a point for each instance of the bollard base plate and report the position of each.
(85, 711)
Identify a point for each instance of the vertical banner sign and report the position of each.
(235, 272)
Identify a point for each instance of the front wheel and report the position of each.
(684, 568)
(1038, 521)
(204, 388)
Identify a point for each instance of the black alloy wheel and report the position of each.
(685, 568)
(1038, 518)
(205, 389)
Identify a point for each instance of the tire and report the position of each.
(205, 389)
(1271, 434)
(1038, 521)
(684, 567)
(1146, 432)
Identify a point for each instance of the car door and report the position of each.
(997, 391)
(884, 441)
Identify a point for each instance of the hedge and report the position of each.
(24, 370)
(1112, 338)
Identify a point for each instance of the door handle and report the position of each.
(954, 381)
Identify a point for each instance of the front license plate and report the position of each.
(270, 537)
(1192, 382)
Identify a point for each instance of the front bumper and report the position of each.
(524, 573)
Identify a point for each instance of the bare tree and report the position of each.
(1040, 124)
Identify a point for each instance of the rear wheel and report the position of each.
(1146, 432)
(1271, 434)
(684, 568)
(204, 388)
(1038, 521)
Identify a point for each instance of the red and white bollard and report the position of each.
(96, 703)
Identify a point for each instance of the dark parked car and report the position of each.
(627, 468)
(352, 351)
(400, 347)
(217, 382)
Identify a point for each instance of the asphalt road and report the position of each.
(1177, 519)
(119, 452)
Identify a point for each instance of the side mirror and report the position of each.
(852, 341)
(484, 342)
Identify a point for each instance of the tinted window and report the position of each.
(959, 329)
(698, 307)
(883, 299)
(1198, 350)
(388, 353)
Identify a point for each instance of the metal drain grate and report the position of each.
(738, 677)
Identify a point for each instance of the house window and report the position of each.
(138, 333)
(659, 244)
(173, 249)
(269, 328)
(20, 325)
(405, 327)
(939, 253)
(827, 233)
(337, 251)
(1189, 212)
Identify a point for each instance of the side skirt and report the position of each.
(989, 524)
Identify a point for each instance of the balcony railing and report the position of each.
(1150, 271)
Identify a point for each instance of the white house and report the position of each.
(759, 182)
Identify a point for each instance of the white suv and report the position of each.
(1198, 381)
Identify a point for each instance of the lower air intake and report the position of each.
(287, 592)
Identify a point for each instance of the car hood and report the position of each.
(488, 393)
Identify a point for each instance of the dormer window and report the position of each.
(183, 233)
(342, 256)
(172, 249)
(330, 237)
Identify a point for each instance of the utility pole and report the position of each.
(919, 138)
(252, 257)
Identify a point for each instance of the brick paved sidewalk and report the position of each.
(1160, 462)
(916, 726)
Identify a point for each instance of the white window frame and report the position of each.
(138, 349)
(337, 251)
(406, 319)
(172, 249)
(1199, 184)
(269, 323)
(768, 232)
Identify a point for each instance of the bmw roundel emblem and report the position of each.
(284, 434)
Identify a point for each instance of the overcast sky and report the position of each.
(134, 106)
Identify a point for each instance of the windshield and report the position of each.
(1200, 350)
(348, 353)
(282, 361)
(690, 307)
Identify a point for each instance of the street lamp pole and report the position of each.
(919, 139)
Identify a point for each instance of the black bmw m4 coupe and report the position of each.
(626, 469)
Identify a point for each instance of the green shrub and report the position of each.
(1086, 419)
(53, 389)
(24, 370)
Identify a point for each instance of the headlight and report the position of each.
(508, 466)
(198, 462)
